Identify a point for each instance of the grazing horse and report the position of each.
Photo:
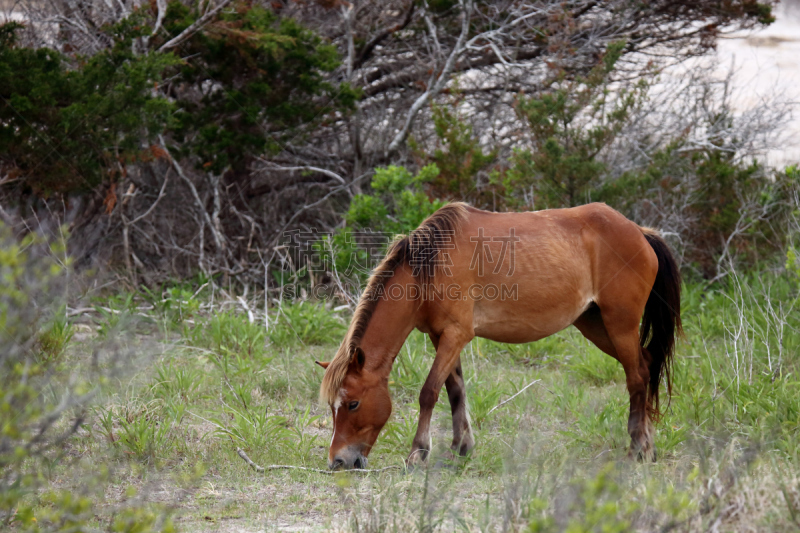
(508, 277)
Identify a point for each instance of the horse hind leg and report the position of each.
(463, 441)
(624, 334)
(618, 336)
(649, 429)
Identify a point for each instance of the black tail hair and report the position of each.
(661, 322)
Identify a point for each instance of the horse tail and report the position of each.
(661, 322)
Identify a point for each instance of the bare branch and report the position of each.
(260, 469)
(444, 76)
(194, 28)
(523, 389)
(217, 238)
(154, 204)
(162, 11)
(326, 172)
(366, 51)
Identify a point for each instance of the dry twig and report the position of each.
(501, 404)
(318, 470)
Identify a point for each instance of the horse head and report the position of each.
(360, 406)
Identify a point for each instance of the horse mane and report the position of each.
(421, 249)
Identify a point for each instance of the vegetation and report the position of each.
(173, 326)
(266, 71)
(45, 405)
(180, 138)
(102, 108)
(569, 128)
(397, 205)
(98, 114)
(552, 459)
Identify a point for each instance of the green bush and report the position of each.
(67, 124)
(268, 72)
(569, 127)
(44, 401)
(397, 205)
(464, 166)
(65, 127)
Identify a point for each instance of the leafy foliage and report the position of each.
(67, 129)
(258, 77)
(397, 206)
(68, 124)
(568, 127)
(462, 162)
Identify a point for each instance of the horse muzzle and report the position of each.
(347, 460)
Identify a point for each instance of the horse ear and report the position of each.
(358, 359)
(323, 364)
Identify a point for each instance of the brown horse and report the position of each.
(509, 277)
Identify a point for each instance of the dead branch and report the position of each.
(194, 28)
(501, 404)
(436, 83)
(261, 469)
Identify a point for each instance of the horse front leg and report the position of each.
(463, 441)
(447, 358)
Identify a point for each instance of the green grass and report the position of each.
(553, 459)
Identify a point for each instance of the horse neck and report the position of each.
(390, 324)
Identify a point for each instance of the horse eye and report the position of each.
(353, 406)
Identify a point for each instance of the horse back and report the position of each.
(520, 277)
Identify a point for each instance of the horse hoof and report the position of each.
(643, 456)
(417, 459)
(461, 449)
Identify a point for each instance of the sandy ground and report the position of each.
(767, 66)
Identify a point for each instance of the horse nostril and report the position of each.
(337, 464)
(361, 462)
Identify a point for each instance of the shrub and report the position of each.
(267, 72)
(44, 401)
(98, 114)
(568, 128)
(397, 206)
(464, 166)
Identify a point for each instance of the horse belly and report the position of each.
(534, 291)
(520, 321)
(544, 296)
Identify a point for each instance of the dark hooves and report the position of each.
(418, 459)
(642, 457)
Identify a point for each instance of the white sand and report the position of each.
(767, 65)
